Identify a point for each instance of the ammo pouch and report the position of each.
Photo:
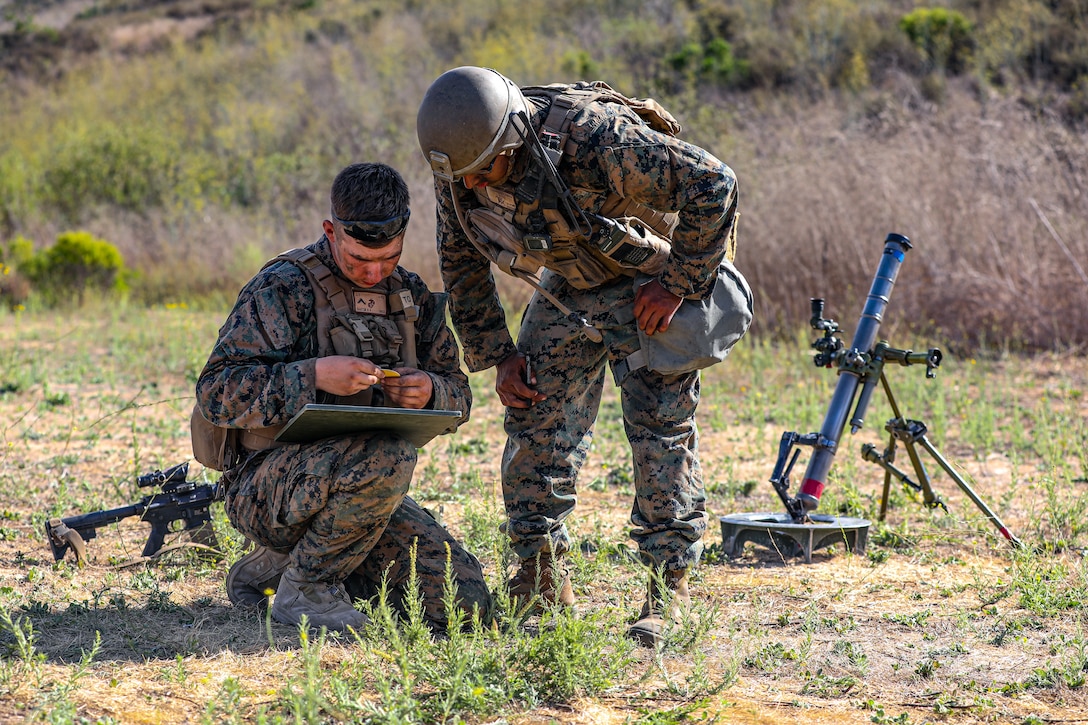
(701, 333)
(506, 241)
(376, 338)
(618, 247)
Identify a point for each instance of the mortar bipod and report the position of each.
(912, 433)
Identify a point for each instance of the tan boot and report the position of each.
(254, 576)
(325, 604)
(667, 598)
(539, 581)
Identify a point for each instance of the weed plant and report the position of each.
(939, 611)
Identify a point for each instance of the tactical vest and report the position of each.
(509, 210)
(377, 323)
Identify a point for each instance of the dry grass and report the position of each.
(933, 627)
(991, 193)
(968, 181)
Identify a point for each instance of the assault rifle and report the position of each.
(178, 500)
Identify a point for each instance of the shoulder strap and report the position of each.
(567, 100)
(335, 300)
(405, 312)
(320, 274)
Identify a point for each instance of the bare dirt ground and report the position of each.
(938, 621)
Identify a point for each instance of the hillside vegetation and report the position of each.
(201, 137)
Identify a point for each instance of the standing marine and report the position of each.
(628, 222)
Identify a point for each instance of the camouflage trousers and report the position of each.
(339, 507)
(547, 443)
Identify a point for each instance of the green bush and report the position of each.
(944, 37)
(79, 262)
(1077, 107)
(713, 61)
(17, 252)
(131, 168)
(1012, 42)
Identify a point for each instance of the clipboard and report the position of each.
(316, 421)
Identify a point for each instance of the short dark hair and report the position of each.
(369, 192)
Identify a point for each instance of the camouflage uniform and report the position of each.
(547, 443)
(339, 505)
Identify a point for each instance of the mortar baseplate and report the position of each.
(778, 531)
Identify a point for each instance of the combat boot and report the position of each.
(324, 604)
(541, 580)
(667, 598)
(253, 575)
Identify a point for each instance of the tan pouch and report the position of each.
(506, 241)
(213, 446)
(582, 268)
(260, 439)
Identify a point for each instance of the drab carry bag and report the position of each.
(702, 332)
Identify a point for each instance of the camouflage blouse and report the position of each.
(262, 369)
(616, 152)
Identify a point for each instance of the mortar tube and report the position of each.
(812, 485)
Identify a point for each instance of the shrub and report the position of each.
(17, 252)
(1012, 42)
(854, 76)
(942, 36)
(1077, 106)
(78, 262)
(713, 62)
(579, 64)
(127, 167)
(14, 288)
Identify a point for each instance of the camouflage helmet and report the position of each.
(464, 120)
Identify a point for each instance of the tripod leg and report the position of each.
(884, 460)
(889, 456)
(994, 519)
(930, 499)
(884, 495)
